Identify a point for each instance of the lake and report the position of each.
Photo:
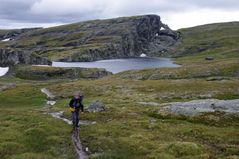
(115, 65)
(119, 65)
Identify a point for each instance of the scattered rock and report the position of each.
(209, 58)
(51, 102)
(152, 121)
(96, 106)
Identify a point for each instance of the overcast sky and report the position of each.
(175, 13)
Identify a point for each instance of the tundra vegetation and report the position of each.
(128, 129)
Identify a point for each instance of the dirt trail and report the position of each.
(77, 144)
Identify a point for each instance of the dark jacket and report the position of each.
(77, 103)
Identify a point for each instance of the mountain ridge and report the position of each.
(98, 39)
(121, 37)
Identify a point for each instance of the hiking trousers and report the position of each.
(75, 117)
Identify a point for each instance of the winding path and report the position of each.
(75, 133)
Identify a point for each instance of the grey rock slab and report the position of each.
(196, 107)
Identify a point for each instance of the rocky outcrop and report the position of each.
(100, 39)
(45, 73)
(127, 37)
(10, 57)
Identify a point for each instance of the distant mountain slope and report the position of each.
(218, 42)
(99, 39)
(13, 33)
(219, 39)
(124, 37)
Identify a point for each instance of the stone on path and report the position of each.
(49, 94)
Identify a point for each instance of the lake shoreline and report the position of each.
(123, 64)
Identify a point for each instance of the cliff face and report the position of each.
(9, 57)
(99, 39)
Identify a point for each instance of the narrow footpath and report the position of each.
(75, 133)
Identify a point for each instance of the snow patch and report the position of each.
(162, 29)
(143, 55)
(8, 39)
(3, 70)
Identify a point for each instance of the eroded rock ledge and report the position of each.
(48, 72)
(9, 57)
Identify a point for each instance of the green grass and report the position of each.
(126, 129)
(199, 68)
(26, 132)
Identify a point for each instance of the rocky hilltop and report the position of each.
(7, 35)
(98, 39)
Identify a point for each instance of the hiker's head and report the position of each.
(77, 95)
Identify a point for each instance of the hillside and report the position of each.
(97, 39)
(218, 42)
(220, 39)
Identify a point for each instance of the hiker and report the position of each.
(75, 107)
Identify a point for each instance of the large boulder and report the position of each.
(96, 106)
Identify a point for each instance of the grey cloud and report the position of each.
(218, 4)
(66, 11)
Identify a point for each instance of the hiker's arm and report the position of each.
(71, 103)
(81, 103)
